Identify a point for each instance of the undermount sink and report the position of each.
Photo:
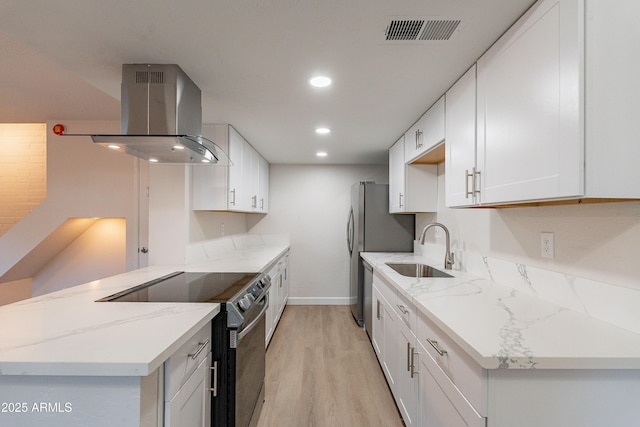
(417, 270)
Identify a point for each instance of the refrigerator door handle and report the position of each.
(350, 226)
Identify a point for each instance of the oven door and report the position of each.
(250, 367)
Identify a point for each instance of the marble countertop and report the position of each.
(68, 333)
(503, 328)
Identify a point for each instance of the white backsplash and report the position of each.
(612, 303)
(220, 247)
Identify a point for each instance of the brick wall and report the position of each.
(23, 171)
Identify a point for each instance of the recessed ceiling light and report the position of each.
(323, 131)
(152, 160)
(114, 147)
(206, 161)
(178, 147)
(320, 81)
(321, 154)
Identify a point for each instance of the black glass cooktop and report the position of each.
(186, 287)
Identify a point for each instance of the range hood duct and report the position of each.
(161, 118)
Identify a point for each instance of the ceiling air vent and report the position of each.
(426, 29)
(404, 29)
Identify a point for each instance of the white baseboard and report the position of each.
(318, 301)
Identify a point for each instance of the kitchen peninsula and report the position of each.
(67, 360)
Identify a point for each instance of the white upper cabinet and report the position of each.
(612, 101)
(529, 108)
(263, 193)
(426, 133)
(252, 175)
(460, 154)
(242, 186)
(396, 177)
(237, 199)
(553, 114)
(412, 187)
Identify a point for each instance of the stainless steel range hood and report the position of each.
(161, 118)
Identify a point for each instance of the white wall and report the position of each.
(172, 223)
(83, 180)
(311, 203)
(98, 252)
(595, 241)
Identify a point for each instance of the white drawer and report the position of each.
(388, 292)
(185, 360)
(406, 311)
(450, 398)
(459, 367)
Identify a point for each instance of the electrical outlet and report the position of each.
(546, 245)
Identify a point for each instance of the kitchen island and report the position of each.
(68, 360)
(497, 356)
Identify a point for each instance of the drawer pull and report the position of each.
(402, 309)
(202, 345)
(435, 345)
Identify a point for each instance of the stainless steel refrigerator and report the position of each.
(371, 228)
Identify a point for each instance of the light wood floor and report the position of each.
(322, 372)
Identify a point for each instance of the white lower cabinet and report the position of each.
(278, 295)
(395, 343)
(436, 383)
(390, 344)
(187, 376)
(427, 393)
(191, 406)
(407, 383)
(436, 410)
(377, 333)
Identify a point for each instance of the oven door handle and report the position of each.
(253, 323)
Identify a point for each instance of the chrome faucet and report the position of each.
(448, 255)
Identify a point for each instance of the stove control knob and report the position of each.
(245, 303)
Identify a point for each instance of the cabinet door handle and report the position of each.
(412, 363)
(202, 345)
(214, 380)
(400, 199)
(467, 175)
(378, 309)
(262, 203)
(402, 309)
(408, 357)
(435, 345)
(254, 202)
(418, 139)
(233, 200)
(475, 184)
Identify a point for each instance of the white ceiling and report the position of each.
(251, 59)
